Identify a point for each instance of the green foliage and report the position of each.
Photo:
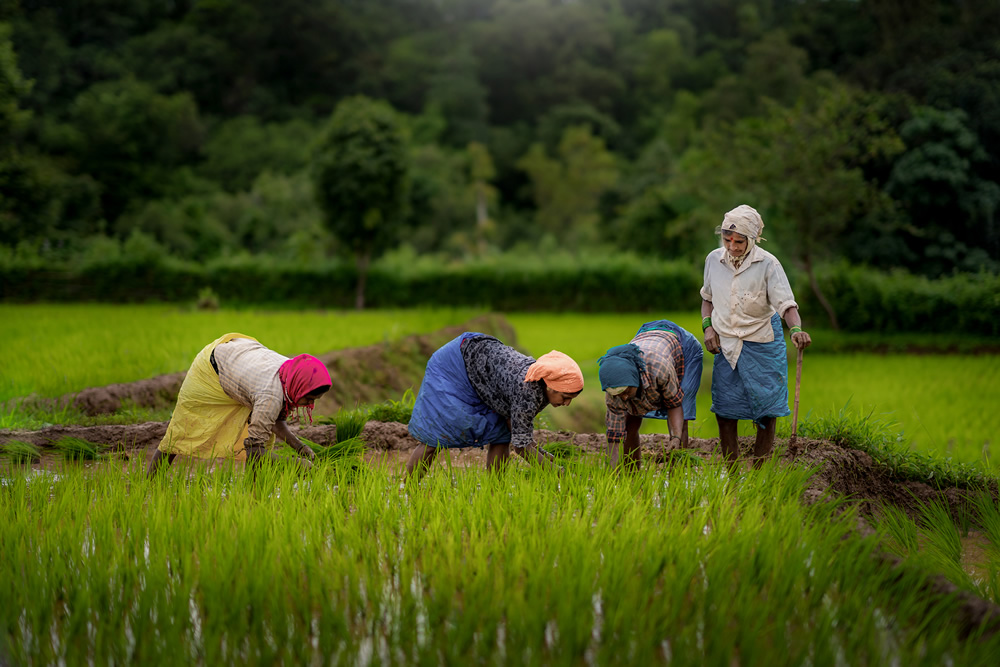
(942, 167)
(361, 179)
(563, 451)
(393, 411)
(988, 517)
(76, 449)
(349, 423)
(136, 115)
(567, 188)
(13, 87)
(242, 148)
(20, 452)
(342, 449)
(865, 300)
(132, 140)
(899, 302)
(942, 536)
(902, 530)
(879, 438)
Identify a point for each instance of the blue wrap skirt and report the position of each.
(448, 412)
(691, 380)
(758, 386)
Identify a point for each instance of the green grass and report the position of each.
(342, 565)
(51, 350)
(882, 439)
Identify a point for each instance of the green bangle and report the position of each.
(796, 330)
(706, 322)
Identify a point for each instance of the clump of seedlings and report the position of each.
(21, 453)
(77, 449)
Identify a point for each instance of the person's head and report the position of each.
(735, 244)
(304, 379)
(561, 376)
(620, 371)
(741, 230)
(624, 392)
(558, 399)
(312, 396)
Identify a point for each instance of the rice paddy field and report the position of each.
(942, 404)
(347, 565)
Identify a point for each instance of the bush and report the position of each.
(869, 300)
(865, 300)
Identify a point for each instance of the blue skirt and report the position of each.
(448, 412)
(758, 387)
(691, 380)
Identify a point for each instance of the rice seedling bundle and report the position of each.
(19, 452)
(77, 449)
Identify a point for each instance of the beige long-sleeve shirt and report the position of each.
(745, 299)
(248, 373)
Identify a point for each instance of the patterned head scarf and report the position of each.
(558, 370)
(743, 220)
(300, 376)
(621, 366)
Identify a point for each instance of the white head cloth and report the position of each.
(743, 220)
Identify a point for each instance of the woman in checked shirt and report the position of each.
(236, 398)
(655, 375)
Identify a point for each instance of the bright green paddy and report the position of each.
(348, 567)
(943, 404)
(54, 349)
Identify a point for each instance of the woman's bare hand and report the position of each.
(712, 341)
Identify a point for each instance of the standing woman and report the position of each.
(744, 297)
(655, 375)
(477, 391)
(236, 397)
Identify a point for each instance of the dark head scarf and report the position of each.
(621, 366)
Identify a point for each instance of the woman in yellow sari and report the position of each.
(236, 398)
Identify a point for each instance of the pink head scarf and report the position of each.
(301, 376)
(558, 370)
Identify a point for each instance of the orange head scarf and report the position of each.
(558, 370)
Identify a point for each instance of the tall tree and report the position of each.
(801, 166)
(939, 173)
(361, 180)
(133, 140)
(568, 187)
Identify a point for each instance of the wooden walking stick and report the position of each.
(798, 383)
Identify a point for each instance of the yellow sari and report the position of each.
(206, 422)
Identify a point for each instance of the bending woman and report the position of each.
(745, 295)
(478, 391)
(656, 375)
(236, 398)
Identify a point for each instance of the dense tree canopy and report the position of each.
(627, 123)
